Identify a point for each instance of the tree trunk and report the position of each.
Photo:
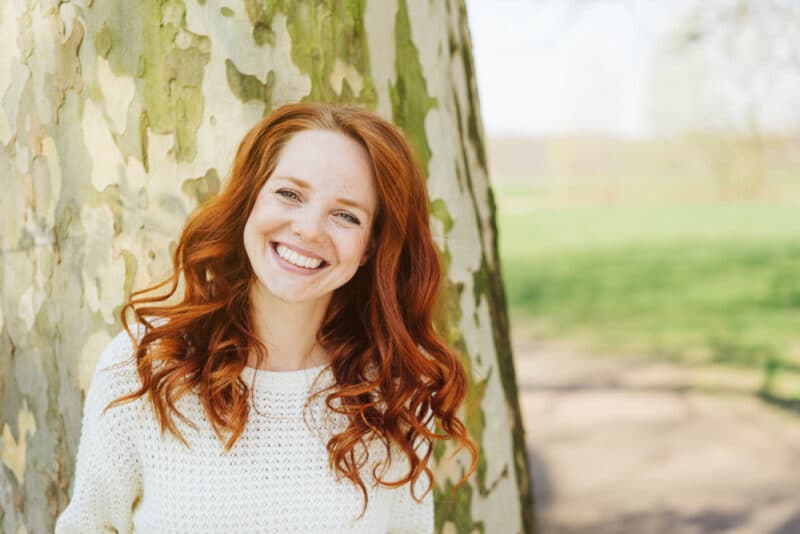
(118, 118)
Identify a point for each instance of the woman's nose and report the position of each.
(308, 225)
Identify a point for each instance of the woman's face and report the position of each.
(308, 232)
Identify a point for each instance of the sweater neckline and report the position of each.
(299, 381)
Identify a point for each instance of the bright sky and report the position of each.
(554, 66)
(557, 66)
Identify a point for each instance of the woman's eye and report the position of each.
(291, 195)
(353, 219)
(288, 193)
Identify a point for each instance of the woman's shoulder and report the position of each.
(120, 350)
(116, 371)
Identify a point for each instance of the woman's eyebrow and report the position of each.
(305, 185)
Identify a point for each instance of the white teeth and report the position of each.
(295, 258)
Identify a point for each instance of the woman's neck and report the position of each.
(288, 330)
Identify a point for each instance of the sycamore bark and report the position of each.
(118, 118)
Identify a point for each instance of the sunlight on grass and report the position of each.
(695, 283)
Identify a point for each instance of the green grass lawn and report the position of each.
(712, 283)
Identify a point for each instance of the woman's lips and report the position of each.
(299, 250)
(291, 266)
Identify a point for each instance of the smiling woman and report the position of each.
(300, 219)
(300, 377)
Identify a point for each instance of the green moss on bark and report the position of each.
(102, 41)
(321, 32)
(247, 87)
(202, 188)
(439, 211)
(455, 507)
(139, 40)
(409, 94)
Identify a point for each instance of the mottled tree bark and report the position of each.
(118, 118)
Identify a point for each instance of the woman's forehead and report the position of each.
(328, 161)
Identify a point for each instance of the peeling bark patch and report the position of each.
(144, 124)
(25, 40)
(247, 87)
(102, 276)
(68, 65)
(261, 14)
(106, 160)
(183, 74)
(202, 188)
(50, 153)
(342, 74)
(118, 92)
(14, 450)
(473, 128)
(103, 41)
(8, 36)
(439, 211)
(410, 99)
(476, 422)
(453, 511)
(174, 65)
(90, 355)
(38, 261)
(323, 33)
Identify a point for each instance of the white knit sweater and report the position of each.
(276, 478)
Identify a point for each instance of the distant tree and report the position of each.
(728, 77)
(733, 66)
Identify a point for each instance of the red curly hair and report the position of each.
(381, 320)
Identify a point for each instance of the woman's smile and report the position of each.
(294, 262)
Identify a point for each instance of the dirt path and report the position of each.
(624, 447)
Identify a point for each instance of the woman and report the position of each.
(295, 386)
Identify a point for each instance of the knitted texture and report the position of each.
(276, 478)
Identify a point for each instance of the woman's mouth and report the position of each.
(295, 262)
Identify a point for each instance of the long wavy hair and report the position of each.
(392, 372)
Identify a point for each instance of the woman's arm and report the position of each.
(108, 471)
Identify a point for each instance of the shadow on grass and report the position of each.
(666, 521)
(792, 405)
(792, 526)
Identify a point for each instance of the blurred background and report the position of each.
(645, 159)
